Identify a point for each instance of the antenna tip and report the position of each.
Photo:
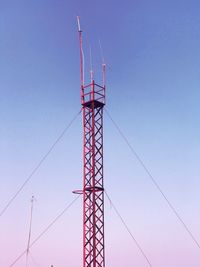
(78, 22)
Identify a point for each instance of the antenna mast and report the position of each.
(29, 234)
(93, 101)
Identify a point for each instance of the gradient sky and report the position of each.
(153, 76)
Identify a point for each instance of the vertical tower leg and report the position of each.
(93, 191)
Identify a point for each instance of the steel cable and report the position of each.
(129, 231)
(173, 209)
(38, 165)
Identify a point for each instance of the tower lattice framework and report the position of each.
(93, 190)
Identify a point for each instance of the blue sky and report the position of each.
(153, 76)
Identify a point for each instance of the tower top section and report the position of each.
(92, 94)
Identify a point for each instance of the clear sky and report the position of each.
(153, 77)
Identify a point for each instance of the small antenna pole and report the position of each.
(104, 74)
(91, 67)
(103, 65)
(29, 235)
(81, 52)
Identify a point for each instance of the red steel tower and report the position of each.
(93, 101)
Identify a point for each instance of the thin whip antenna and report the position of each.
(101, 51)
(29, 235)
(103, 64)
(104, 74)
(81, 52)
(91, 66)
